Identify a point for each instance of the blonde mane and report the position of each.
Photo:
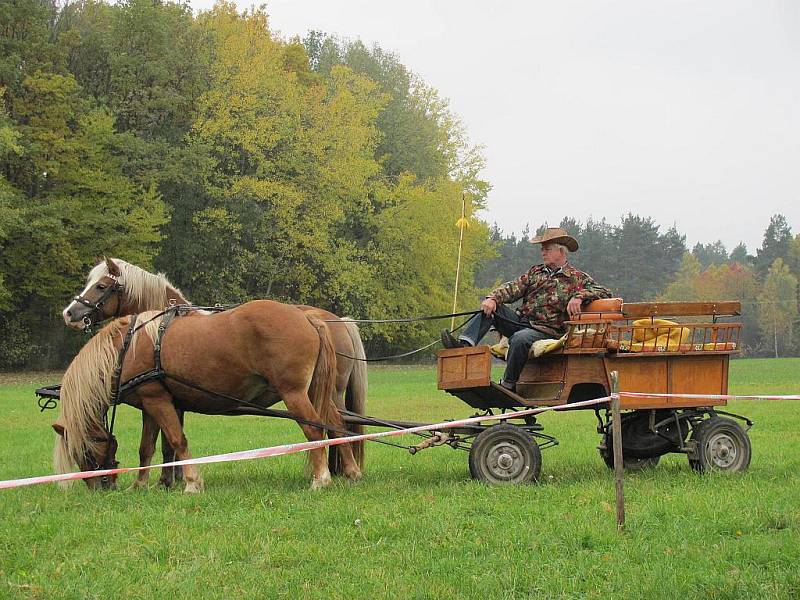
(86, 390)
(143, 288)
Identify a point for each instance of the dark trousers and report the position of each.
(517, 330)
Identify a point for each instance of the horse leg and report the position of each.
(335, 458)
(169, 475)
(300, 406)
(147, 448)
(168, 454)
(348, 464)
(178, 471)
(165, 415)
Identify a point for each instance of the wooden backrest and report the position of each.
(641, 310)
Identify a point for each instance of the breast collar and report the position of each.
(157, 373)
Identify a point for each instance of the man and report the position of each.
(552, 292)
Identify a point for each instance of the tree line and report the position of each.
(316, 170)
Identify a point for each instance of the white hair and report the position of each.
(142, 287)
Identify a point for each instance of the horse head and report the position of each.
(99, 454)
(84, 437)
(99, 300)
(116, 288)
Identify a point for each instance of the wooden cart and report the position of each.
(656, 348)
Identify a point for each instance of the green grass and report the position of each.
(416, 526)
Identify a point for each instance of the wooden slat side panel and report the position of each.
(543, 369)
(698, 375)
(639, 310)
(584, 369)
(649, 374)
(688, 374)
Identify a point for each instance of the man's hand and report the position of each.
(574, 307)
(488, 306)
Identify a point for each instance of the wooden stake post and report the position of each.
(617, 442)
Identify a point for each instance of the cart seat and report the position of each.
(605, 309)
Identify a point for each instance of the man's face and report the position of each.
(553, 256)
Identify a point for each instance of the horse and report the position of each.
(115, 288)
(206, 363)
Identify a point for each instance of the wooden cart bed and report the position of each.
(651, 355)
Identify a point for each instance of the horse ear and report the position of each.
(113, 268)
(59, 428)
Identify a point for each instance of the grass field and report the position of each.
(416, 526)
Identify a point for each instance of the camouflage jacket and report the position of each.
(545, 295)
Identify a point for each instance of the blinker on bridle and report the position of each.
(97, 305)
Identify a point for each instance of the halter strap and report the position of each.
(98, 304)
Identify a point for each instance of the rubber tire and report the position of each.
(632, 465)
(722, 446)
(508, 443)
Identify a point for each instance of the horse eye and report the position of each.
(100, 286)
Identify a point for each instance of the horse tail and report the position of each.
(355, 397)
(323, 381)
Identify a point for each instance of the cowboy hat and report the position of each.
(557, 236)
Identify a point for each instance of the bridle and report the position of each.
(97, 306)
(95, 465)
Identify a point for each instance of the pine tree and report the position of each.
(776, 244)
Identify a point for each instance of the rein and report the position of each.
(182, 309)
(409, 320)
(405, 319)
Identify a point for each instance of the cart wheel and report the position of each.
(628, 462)
(721, 445)
(505, 453)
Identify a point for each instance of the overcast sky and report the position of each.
(685, 111)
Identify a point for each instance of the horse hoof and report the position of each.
(354, 475)
(195, 487)
(321, 482)
(165, 483)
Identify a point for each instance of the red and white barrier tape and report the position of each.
(709, 396)
(305, 446)
(293, 448)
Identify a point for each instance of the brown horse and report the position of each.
(116, 288)
(261, 351)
